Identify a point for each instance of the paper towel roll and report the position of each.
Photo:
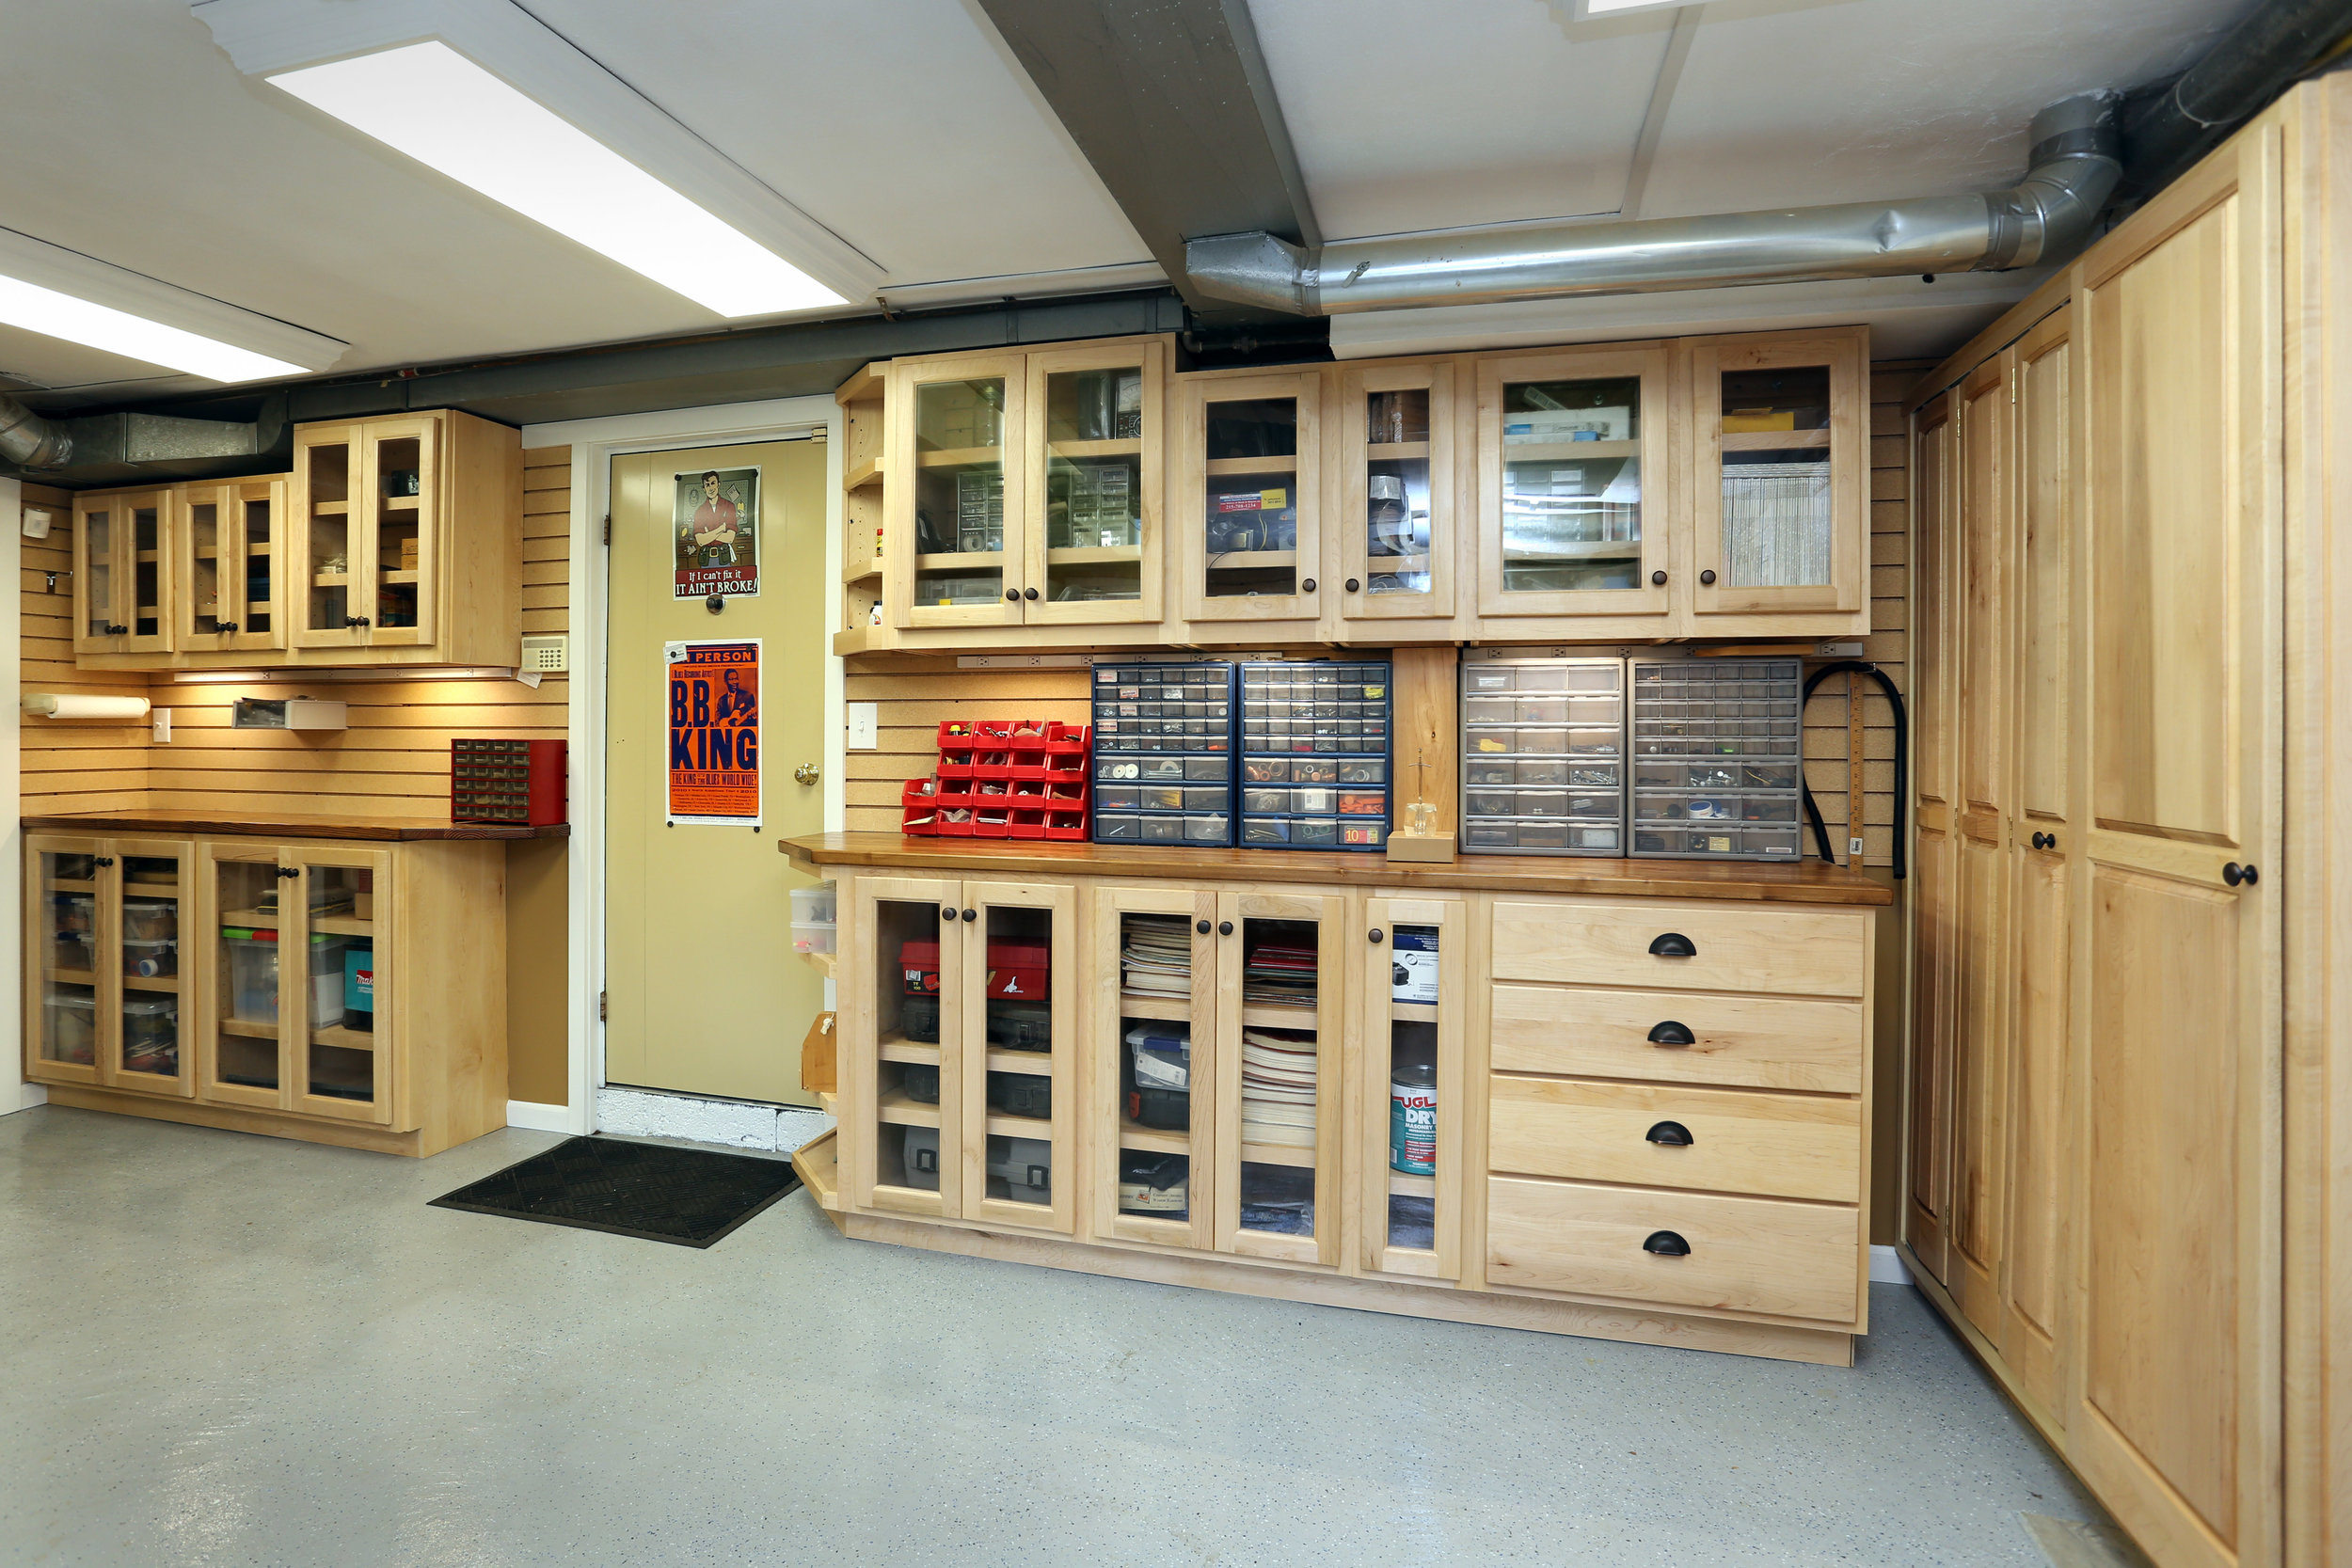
(53, 704)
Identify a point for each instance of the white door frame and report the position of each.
(595, 443)
(15, 1094)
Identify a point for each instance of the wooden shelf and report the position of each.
(1553, 451)
(64, 884)
(962, 560)
(1034, 1064)
(1095, 555)
(1390, 452)
(347, 1039)
(858, 571)
(148, 555)
(1386, 563)
(1262, 1015)
(1002, 1125)
(1301, 1155)
(1580, 549)
(961, 457)
(866, 473)
(330, 580)
(403, 503)
(1153, 1140)
(71, 977)
(247, 1028)
(1253, 561)
(1176, 1007)
(896, 1047)
(1413, 1012)
(400, 574)
(906, 1111)
(1224, 468)
(1772, 440)
(821, 962)
(331, 509)
(1129, 445)
(151, 982)
(343, 925)
(1402, 1185)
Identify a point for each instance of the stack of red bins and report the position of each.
(1003, 778)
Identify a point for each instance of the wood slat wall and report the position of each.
(918, 694)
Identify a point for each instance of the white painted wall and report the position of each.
(15, 1094)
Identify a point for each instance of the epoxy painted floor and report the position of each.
(223, 1349)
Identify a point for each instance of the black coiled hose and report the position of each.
(1902, 755)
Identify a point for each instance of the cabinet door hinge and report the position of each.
(600, 1009)
(607, 528)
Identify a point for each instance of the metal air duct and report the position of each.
(106, 447)
(30, 441)
(2045, 217)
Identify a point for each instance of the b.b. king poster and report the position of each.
(715, 529)
(714, 733)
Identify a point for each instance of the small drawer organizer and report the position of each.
(1164, 753)
(511, 783)
(1315, 754)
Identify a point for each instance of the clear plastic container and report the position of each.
(150, 959)
(151, 919)
(815, 906)
(252, 974)
(814, 939)
(150, 1035)
(72, 1027)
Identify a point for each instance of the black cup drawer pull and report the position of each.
(1671, 1135)
(1673, 944)
(1665, 1244)
(1667, 1032)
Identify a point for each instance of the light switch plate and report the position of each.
(160, 718)
(865, 727)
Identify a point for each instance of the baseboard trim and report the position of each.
(1886, 1267)
(29, 1096)
(633, 1113)
(533, 1117)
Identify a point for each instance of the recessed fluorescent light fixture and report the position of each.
(430, 102)
(1587, 11)
(63, 294)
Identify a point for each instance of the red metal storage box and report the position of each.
(514, 783)
(1013, 971)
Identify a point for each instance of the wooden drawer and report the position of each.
(1746, 1254)
(1765, 1042)
(1735, 947)
(1776, 1145)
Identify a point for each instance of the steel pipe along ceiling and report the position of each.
(2075, 163)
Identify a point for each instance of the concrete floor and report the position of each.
(227, 1350)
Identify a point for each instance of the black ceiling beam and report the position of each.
(1170, 101)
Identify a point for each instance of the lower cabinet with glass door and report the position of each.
(1299, 1088)
(347, 993)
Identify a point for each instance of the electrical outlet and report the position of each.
(1837, 650)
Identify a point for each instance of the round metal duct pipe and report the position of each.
(2047, 216)
(30, 441)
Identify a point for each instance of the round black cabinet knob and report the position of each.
(1658, 579)
(1012, 595)
(2235, 875)
(947, 912)
(1028, 592)
(1201, 926)
(1352, 585)
(1375, 935)
(1308, 586)
(1665, 1244)
(970, 915)
(1225, 927)
(1706, 577)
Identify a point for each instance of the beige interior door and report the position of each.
(703, 993)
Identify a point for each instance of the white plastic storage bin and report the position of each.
(816, 918)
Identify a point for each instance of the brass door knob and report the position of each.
(805, 773)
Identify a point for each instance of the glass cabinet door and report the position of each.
(227, 546)
(1279, 959)
(1247, 507)
(1018, 1152)
(1155, 1043)
(65, 898)
(328, 603)
(337, 1005)
(1573, 485)
(903, 1061)
(155, 886)
(246, 926)
(97, 530)
(1395, 423)
(1414, 1004)
(1093, 532)
(400, 494)
(953, 529)
(1779, 504)
(253, 582)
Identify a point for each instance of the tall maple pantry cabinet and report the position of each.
(2129, 1130)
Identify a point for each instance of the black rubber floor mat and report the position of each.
(688, 1196)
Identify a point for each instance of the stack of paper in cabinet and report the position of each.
(1278, 1088)
(1155, 956)
(1279, 976)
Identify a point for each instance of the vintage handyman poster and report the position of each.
(716, 533)
(714, 734)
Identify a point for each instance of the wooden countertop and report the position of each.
(1808, 881)
(173, 823)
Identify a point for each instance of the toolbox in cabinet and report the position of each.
(1163, 752)
(1315, 753)
(1543, 755)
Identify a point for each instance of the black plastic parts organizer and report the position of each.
(1315, 740)
(1164, 753)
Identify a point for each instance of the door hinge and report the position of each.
(607, 528)
(600, 1009)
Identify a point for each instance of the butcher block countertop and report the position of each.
(165, 823)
